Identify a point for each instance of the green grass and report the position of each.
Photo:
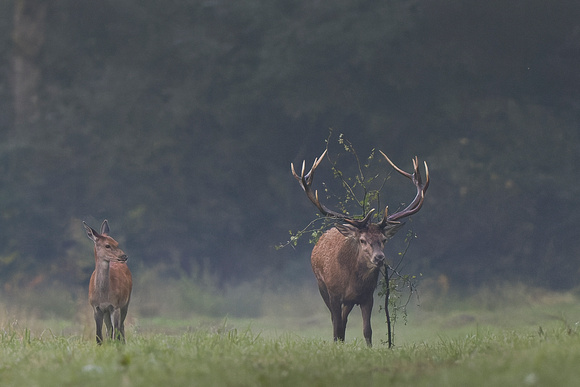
(533, 341)
(230, 357)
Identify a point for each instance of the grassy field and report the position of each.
(479, 341)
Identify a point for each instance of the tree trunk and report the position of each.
(28, 38)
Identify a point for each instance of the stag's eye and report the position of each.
(107, 246)
(363, 241)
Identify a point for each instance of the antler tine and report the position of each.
(426, 176)
(417, 202)
(317, 162)
(306, 184)
(395, 167)
(363, 222)
(385, 221)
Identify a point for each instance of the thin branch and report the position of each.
(295, 237)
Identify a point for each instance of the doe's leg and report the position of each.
(99, 323)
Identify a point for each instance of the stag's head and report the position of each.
(371, 237)
(368, 239)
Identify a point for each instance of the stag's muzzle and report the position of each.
(378, 259)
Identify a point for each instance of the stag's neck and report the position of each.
(363, 268)
(349, 249)
(102, 269)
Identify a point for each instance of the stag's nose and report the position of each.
(123, 258)
(378, 259)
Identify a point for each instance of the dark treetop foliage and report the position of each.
(177, 121)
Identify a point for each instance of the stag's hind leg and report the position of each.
(335, 307)
(346, 308)
(324, 293)
(338, 326)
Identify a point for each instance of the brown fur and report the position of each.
(110, 285)
(347, 258)
(346, 262)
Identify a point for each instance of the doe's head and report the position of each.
(106, 248)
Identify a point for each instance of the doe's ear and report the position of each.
(92, 234)
(105, 227)
(391, 229)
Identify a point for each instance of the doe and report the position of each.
(110, 285)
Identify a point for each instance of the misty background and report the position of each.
(178, 120)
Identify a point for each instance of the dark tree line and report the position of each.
(178, 120)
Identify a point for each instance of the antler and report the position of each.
(416, 204)
(306, 184)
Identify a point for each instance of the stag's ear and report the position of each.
(92, 234)
(105, 227)
(391, 229)
(348, 230)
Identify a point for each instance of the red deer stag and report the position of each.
(111, 284)
(347, 258)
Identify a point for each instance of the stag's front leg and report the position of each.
(366, 309)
